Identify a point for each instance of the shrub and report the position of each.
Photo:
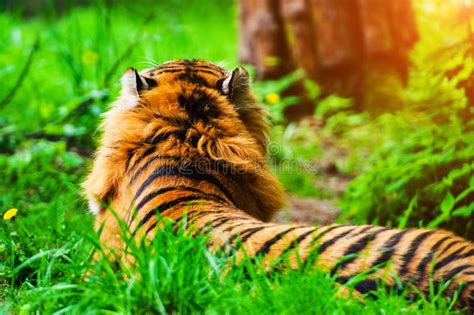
(422, 170)
(423, 174)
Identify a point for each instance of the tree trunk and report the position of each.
(346, 46)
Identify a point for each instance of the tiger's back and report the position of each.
(187, 139)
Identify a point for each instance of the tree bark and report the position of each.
(343, 45)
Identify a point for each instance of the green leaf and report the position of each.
(438, 220)
(447, 204)
(406, 215)
(71, 159)
(464, 211)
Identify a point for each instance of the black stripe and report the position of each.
(268, 244)
(172, 65)
(155, 193)
(191, 217)
(150, 228)
(183, 66)
(319, 236)
(389, 248)
(130, 154)
(191, 74)
(194, 78)
(201, 68)
(217, 69)
(429, 258)
(232, 218)
(325, 245)
(467, 297)
(202, 214)
(178, 220)
(151, 160)
(222, 221)
(147, 152)
(323, 233)
(314, 253)
(156, 138)
(365, 229)
(450, 245)
(436, 285)
(169, 71)
(190, 172)
(298, 241)
(366, 286)
(230, 228)
(158, 192)
(134, 213)
(245, 237)
(230, 240)
(172, 120)
(208, 72)
(452, 257)
(186, 215)
(165, 206)
(456, 271)
(370, 285)
(233, 237)
(354, 249)
(202, 228)
(470, 302)
(245, 234)
(415, 244)
(213, 225)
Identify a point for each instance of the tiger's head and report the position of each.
(192, 109)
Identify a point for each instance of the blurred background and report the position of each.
(371, 102)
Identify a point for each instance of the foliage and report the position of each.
(81, 56)
(41, 181)
(293, 147)
(421, 175)
(269, 93)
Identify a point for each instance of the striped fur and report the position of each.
(187, 139)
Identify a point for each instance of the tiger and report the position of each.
(187, 139)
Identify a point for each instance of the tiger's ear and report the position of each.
(236, 85)
(133, 84)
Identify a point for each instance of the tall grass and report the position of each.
(176, 273)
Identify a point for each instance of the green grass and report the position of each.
(176, 273)
(83, 53)
(45, 251)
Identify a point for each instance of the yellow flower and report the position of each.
(272, 98)
(10, 214)
(89, 57)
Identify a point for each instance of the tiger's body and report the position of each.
(187, 140)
